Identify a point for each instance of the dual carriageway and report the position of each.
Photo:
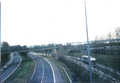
(44, 70)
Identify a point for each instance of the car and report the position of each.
(5, 67)
(78, 58)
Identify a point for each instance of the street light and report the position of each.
(88, 44)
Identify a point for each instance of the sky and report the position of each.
(36, 22)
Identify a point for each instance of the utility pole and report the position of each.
(88, 44)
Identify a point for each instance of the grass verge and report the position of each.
(60, 67)
(23, 73)
(107, 60)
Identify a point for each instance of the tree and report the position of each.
(95, 43)
(117, 32)
(110, 37)
(102, 44)
(51, 45)
(117, 36)
(4, 46)
(24, 47)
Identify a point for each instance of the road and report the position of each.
(99, 70)
(5, 73)
(42, 72)
(45, 70)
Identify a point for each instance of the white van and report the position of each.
(85, 59)
(5, 67)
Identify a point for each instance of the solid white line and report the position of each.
(10, 60)
(43, 70)
(13, 70)
(67, 75)
(51, 68)
(34, 68)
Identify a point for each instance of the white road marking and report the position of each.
(11, 59)
(34, 69)
(12, 71)
(52, 69)
(67, 75)
(43, 70)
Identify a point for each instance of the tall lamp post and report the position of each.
(88, 44)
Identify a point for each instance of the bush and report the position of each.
(23, 54)
(4, 58)
(78, 70)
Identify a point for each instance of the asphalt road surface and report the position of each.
(43, 72)
(5, 73)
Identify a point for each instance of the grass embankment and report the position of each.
(23, 73)
(60, 65)
(107, 60)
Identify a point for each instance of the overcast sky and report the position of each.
(60, 21)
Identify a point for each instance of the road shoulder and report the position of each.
(58, 75)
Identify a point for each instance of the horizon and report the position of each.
(38, 23)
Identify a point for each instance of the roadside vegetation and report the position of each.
(80, 72)
(4, 59)
(60, 65)
(23, 73)
(107, 60)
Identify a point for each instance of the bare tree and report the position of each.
(95, 43)
(110, 37)
(102, 44)
(117, 32)
(117, 36)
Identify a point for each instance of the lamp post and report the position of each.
(88, 44)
